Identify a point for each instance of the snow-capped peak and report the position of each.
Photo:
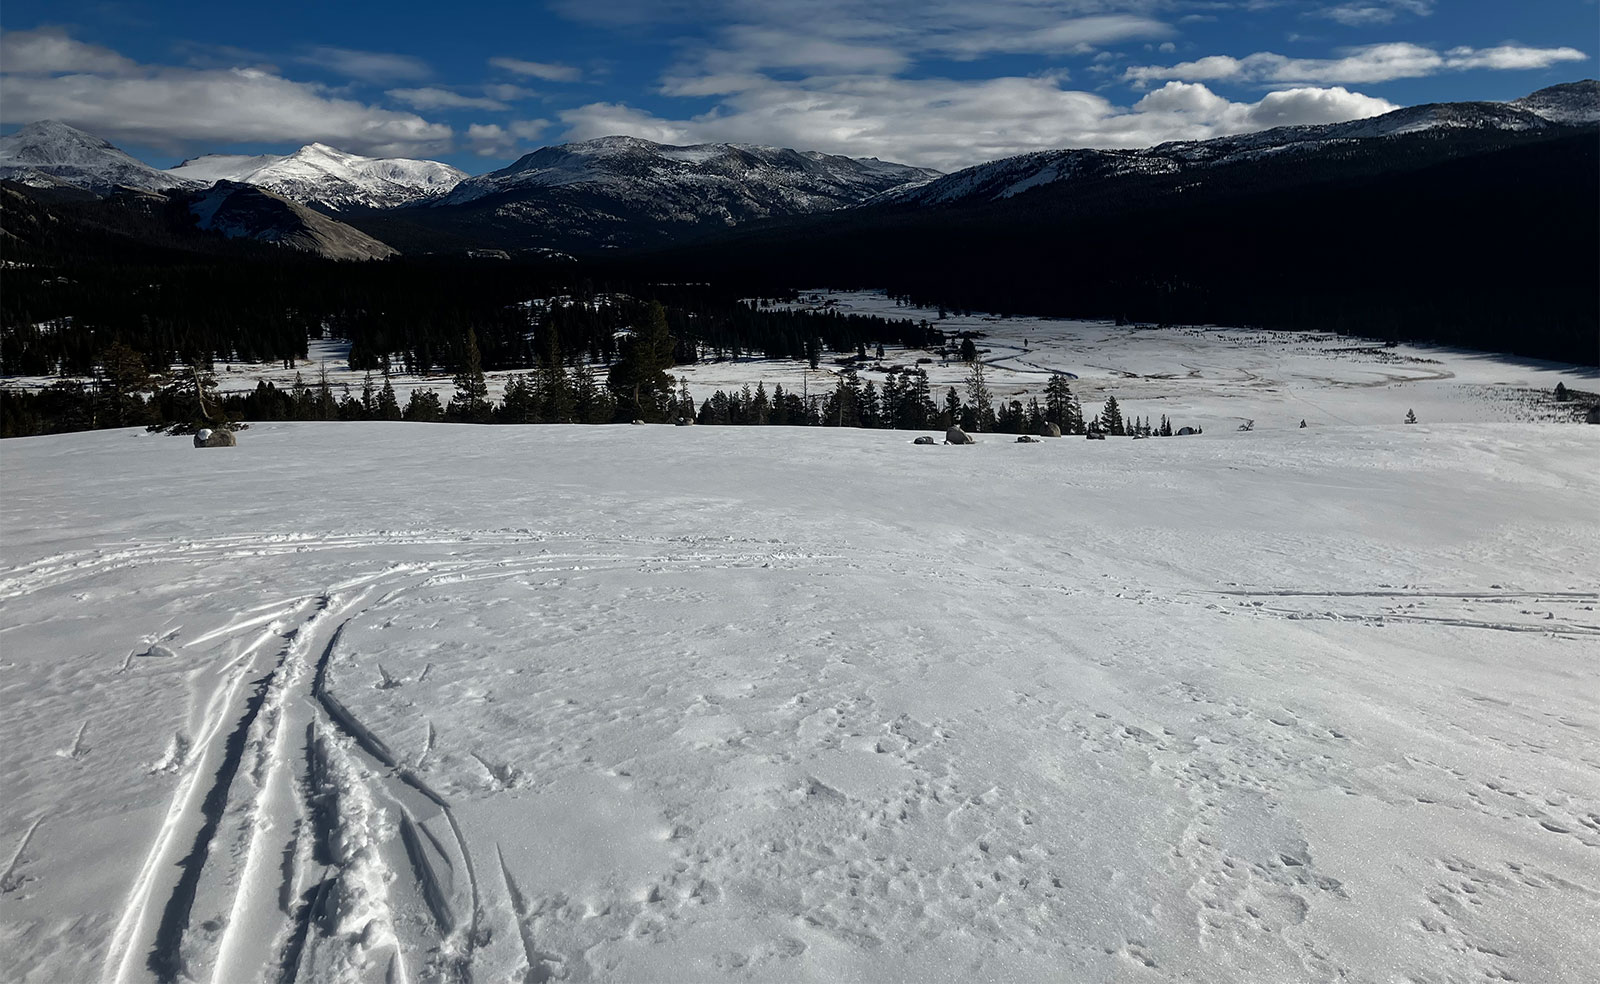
(323, 175)
(49, 152)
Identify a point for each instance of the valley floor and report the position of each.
(430, 702)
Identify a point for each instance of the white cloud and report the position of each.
(368, 66)
(494, 140)
(1364, 64)
(50, 51)
(1510, 56)
(433, 98)
(949, 124)
(549, 71)
(179, 109)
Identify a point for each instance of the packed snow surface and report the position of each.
(371, 701)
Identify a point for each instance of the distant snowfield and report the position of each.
(376, 701)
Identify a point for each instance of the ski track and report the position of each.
(232, 882)
(241, 878)
(227, 887)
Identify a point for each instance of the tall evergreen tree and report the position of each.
(980, 397)
(639, 378)
(388, 405)
(1111, 417)
(471, 400)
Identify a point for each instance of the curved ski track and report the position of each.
(240, 883)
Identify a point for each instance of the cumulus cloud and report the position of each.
(549, 71)
(1363, 64)
(179, 109)
(433, 98)
(368, 66)
(494, 140)
(949, 123)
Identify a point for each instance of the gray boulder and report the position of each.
(208, 438)
(924, 439)
(955, 435)
(1027, 439)
(1048, 429)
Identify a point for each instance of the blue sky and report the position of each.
(941, 83)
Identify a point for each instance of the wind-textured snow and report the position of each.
(368, 701)
(322, 175)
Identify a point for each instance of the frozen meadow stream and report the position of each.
(431, 702)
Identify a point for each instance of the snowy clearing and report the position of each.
(412, 702)
(1214, 378)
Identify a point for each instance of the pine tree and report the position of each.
(1411, 416)
(1057, 400)
(517, 406)
(424, 405)
(760, 407)
(388, 406)
(1111, 417)
(471, 400)
(591, 405)
(124, 377)
(951, 414)
(640, 377)
(980, 397)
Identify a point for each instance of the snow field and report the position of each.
(406, 702)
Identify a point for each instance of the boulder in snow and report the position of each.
(955, 435)
(208, 438)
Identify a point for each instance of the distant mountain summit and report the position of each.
(767, 178)
(629, 191)
(1570, 102)
(1575, 103)
(50, 154)
(317, 174)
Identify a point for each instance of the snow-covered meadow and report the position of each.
(372, 701)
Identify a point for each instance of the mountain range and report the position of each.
(627, 192)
